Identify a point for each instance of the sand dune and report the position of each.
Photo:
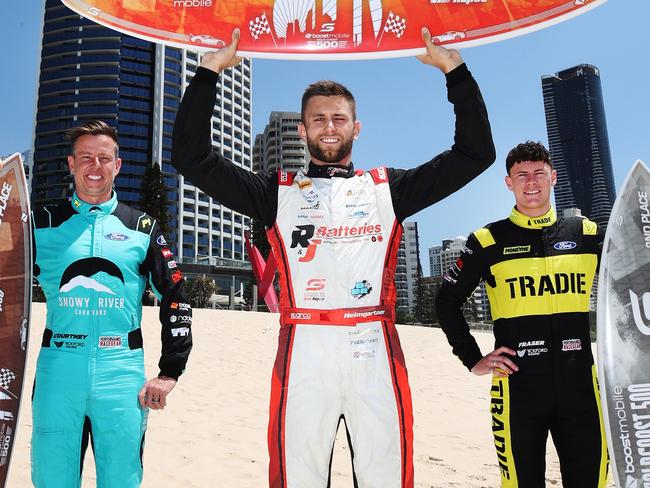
(213, 431)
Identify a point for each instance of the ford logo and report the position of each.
(116, 236)
(565, 245)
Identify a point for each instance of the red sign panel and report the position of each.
(327, 29)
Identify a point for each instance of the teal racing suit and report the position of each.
(93, 263)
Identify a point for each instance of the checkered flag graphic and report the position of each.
(6, 377)
(259, 27)
(395, 24)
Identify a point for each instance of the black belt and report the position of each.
(134, 337)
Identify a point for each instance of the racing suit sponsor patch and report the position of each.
(181, 319)
(69, 341)
(180, 332)
(531, 348)
(516, 250)
(571, 345)
(116, 236)
(361, 289)
(364, 344)
(110, 341)
(314, 291)
(564, 245)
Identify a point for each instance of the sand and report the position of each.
(213, 431)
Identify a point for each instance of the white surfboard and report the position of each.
(15, 299)
(624, 331)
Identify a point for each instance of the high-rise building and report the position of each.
(210, 230)
(435, 261)
(91, 72)
(408, 269)
(280, 145)
(477, 307)
(578, 141)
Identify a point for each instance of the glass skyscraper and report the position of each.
(577, 136)
(91, 72)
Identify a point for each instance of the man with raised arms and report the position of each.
(335, 231)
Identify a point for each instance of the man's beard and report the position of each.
(329, 156)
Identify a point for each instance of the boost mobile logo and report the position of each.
(636, 311)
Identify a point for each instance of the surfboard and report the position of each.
(624, 331)
(327, 29)
(15, 299)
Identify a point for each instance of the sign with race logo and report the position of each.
(327, 29)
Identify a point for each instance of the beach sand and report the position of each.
(213, 431)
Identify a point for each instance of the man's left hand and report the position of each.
(154, 392)
(438, 56)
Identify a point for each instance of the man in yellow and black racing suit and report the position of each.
(538, 269)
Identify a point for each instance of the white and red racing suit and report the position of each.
(335, 234)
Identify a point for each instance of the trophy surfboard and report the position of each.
(624, 331)
(327, 29)
(15, 299)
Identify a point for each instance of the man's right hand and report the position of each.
(224, 58)
(496, 362)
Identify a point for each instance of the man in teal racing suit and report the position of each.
(93, 259)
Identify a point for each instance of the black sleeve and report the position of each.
(460, 282)
(473, 151)
(194, 157)
(175, 311)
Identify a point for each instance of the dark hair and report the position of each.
(91, 128)
(528, 151)
(327, 88)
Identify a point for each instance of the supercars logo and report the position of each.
(315, 290)
(640, 316)
(315, 284)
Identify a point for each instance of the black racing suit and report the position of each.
(538, 274)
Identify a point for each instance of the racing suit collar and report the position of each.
(331, 170)
(527, 222)
(86, 209)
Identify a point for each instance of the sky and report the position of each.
(401, 103)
